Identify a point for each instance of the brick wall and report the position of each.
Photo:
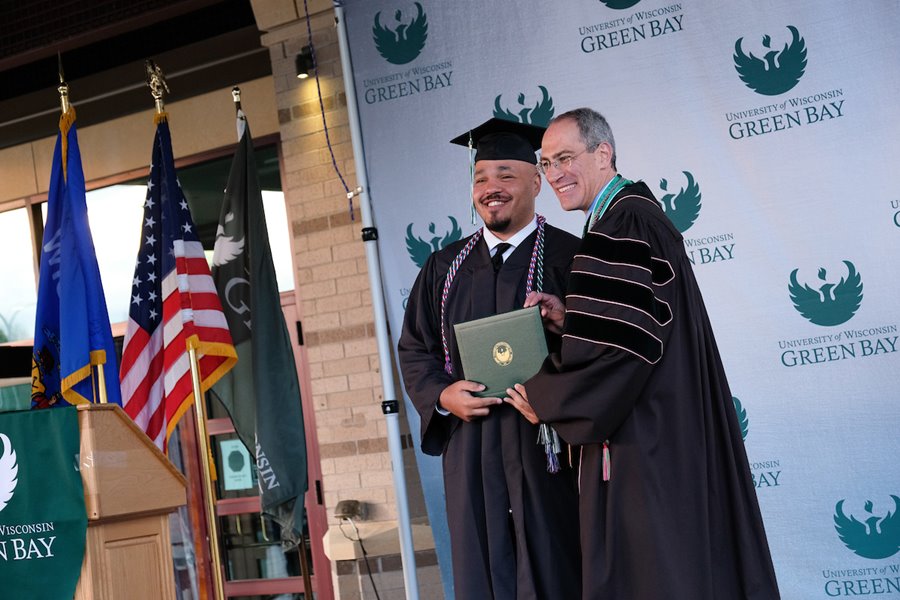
(334, 296)
(332, 277)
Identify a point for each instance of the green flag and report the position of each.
(261, 393)
(43, 523)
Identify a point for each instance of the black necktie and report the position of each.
(497, 259)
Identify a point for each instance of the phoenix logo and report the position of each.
(767, 75)
(226, 248)
(878, 537)
(9, 471)
(401, 45)
(742, 418)
(539, 114)
(682, 208)
(502, 353)
(619, 4)
(419, 250)
(832, 304)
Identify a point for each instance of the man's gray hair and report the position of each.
(593, 128)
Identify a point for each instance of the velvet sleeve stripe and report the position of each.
(608, 331)
(633, 197)
(622, 292)
(662, 271)
(627, 252)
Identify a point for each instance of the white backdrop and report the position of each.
(797, 178)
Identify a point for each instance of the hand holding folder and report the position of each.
(501, 350)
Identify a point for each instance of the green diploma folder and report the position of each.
(501, 350)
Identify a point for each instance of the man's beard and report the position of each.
(498, 224)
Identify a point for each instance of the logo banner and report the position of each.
(765, 131)
(43, 523)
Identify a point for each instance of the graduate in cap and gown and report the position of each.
(513, 524)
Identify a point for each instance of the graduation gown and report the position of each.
(513, 526)
(639, 367)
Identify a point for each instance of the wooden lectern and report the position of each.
(130, 488)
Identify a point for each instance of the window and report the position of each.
(115, 215)
(18, 294)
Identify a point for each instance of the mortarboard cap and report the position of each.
(499, 139)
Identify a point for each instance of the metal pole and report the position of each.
(208, 493)
(304, 568)
(390, 406)
(101, 382)
(99, 390)
(156, 81)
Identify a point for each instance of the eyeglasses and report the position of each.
(563, 162)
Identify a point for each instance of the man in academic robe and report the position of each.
(513, 525)
(667, 503)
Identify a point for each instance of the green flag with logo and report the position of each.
(261, 393)
(43, 524)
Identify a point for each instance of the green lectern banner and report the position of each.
(43, 525)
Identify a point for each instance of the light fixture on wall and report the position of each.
(304, 62)
(350, 509)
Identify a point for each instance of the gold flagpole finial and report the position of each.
(236, 96)
(63, 88)
(157, 83)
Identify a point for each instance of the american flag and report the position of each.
(174, 305)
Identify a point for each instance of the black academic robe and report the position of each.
(513, 525)
(639, 367)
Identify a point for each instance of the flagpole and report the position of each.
(157, 84)
(63, 86)
(301, 547)
(205, 457)
(101, 382)
(390, 406)
(65, 106)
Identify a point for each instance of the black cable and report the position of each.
(368, 568)
(364, 553)
(312, 51)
